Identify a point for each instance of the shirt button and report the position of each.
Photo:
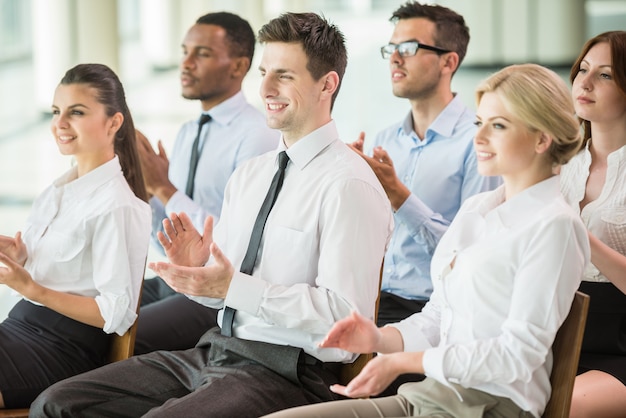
(406, 179)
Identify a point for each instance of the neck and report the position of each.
(425, 111)
(607, 138)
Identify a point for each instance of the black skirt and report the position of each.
(39, 347)
(604, 343)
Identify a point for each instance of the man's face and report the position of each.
(206, 69)
(291, 95)
(415, 77)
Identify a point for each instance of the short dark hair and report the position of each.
(110, 93)
(451, 32)
(239, 33)
(322, 41)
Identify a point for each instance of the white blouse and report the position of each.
(605, 217)
(89, 236)
(492, 318)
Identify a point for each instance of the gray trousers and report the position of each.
(221, 377)
(428, 398)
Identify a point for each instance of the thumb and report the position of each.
(161, 148)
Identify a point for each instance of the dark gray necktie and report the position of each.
(249, 260)
(195, 156)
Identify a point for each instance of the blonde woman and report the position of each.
(504, 275)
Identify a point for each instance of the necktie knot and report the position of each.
(283, 159)
(204, 118)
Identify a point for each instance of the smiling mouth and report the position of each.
(275, 106)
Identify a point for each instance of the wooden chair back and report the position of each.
(350, 370)
(122, 347)
(566, 353)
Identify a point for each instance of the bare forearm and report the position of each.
(80, 308)
(164, 192)
(391, 341)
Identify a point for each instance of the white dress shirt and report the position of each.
(236, 133)
(89, 236)
(605, 217)
(492, 318)
(322, 247)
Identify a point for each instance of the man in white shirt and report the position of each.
(318, 261)
(217, 53)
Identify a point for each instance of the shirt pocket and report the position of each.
(60, 257)
(288, 255)
(614, 220)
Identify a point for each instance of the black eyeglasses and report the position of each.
(408, 49)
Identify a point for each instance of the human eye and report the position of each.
(407, 48)
(77, 112)
(478, 123)
(497, 125)
(606, 76)
(55, 111)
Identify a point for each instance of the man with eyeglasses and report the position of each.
(425, 162)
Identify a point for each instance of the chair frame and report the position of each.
(349, 371)
(566, 353)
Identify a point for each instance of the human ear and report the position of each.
(331, 82)
(544, 141)
(116, 122)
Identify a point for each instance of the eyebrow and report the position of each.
(601, 66)
(74, 106)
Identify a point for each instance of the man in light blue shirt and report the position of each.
(217, 53)
(426, 162)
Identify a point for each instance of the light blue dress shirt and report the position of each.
(237, 132)
(440, 171)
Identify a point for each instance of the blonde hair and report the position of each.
(541, 98)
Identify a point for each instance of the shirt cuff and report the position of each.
(413, 212)
(413, 339)
(245, 293)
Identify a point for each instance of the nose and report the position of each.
(59, 121)
(395, 57)
(186, 62)
(585, 81)
(267, 88)
(479, 137)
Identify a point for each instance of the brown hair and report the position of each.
(451, 31)
(617, 43)
(110, 93)
(323, 43)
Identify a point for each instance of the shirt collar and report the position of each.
(85, 185)
(444, 123)
(228, 110)
(306, 148)
(519, 207)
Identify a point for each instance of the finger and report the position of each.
(169, 229)
(219, 256)
(162, 152)
(185, 222)
(177, 223)
(339, 389)
(208, 229)
(164, 240)
(382, 156)
(18, 238)
(6, 260)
